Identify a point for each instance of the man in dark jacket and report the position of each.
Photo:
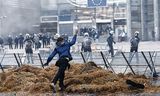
(48, 39)
(1, 42)
(10, 42)
(44, 40)
(21, 39)
(63, 50)
(110, 41)
(16, 42)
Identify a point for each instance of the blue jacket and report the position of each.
(63, 50)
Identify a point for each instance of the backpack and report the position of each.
(134, 42)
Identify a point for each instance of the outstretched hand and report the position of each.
(76, 31)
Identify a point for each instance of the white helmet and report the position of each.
(27, 35)
(56, 36)
(111, 32)
(136, 32)
(86, 34)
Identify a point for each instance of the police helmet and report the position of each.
(86, 34)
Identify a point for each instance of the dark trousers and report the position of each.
(48, 42)
(10, 46)
(111, 50)
(16, 46)
(62, 64)
(134, 49)
(21, 45)
(44, 43)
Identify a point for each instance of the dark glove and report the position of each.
(69, 66)
(45, 64)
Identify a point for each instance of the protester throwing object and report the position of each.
(63, 50)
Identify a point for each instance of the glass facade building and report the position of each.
(69, 10)
(143, 16)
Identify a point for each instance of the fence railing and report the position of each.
(138, 63)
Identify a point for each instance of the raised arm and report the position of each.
(74, 38)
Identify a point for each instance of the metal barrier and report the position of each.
(18, 59)
(122, 62)
(106, 62)
(1, 62)
(137, 65)
(96, 47)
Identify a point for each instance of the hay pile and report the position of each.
(80, 78)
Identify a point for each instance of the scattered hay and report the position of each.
(80, 78)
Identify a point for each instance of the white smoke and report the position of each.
(21, 15)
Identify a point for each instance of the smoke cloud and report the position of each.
(20, 16)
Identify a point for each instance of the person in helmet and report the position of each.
(16, 42)
(37, 43)
(28, 49)
(110, 42)
(86, 47)
(56, 36)
(134, 46)
(63, 50)
(21, 40)
(10, 41)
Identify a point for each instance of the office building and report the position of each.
(143, 16)
(70, 10)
